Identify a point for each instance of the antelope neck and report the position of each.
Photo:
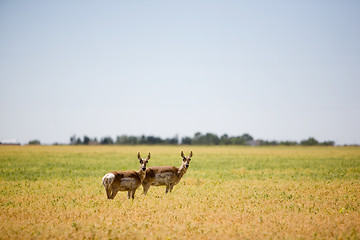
(182, 170)
(141, 174)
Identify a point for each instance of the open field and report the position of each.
(227, 193)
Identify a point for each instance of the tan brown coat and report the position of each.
(167, 176)
(125, 180)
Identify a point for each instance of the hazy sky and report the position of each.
(283, 70)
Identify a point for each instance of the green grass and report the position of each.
(227, 193)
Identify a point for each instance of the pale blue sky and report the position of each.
(283, 70)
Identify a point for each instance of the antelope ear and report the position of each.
(139, 157)
(190, 154)
(182, 154)
(148, 157)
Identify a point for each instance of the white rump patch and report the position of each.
(108, 179)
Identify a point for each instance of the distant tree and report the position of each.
(78, 141)
(224, 139)
(237, 141)
(328, 143)
(73, 140)
(247, 138)
(197, 135)
(106, 141)
(94, 141)
(268, 143)
(132, 140)
(212, 139)
(186, 140)
(197, 138)
(142, 139)
(34, 142)
(126, 140)
(309, 142)
(288, 143)
(207, 139)
(86, 140)
(123, 139)
(172, 141)
(153, 140)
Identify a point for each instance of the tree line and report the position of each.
(197, 139)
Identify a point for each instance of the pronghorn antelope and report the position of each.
(165, 175)
(125, 180)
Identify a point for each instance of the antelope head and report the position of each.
(143, 161)
(186, 159)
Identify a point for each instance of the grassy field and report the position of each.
(49, 192)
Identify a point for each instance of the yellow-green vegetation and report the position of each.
(49, 192)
